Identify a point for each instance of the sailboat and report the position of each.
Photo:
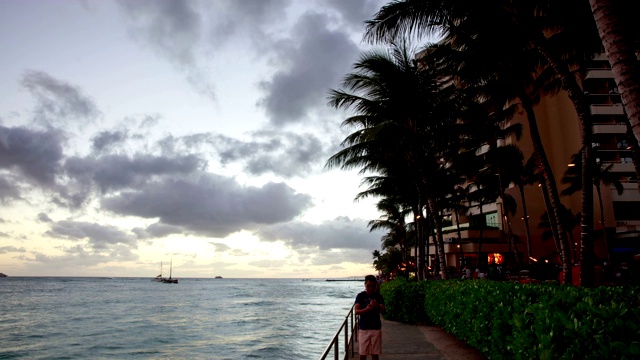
(170, 280)
(159, 277)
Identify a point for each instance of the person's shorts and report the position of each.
(369, 342)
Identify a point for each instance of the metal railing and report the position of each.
(350, 337)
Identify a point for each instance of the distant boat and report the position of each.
(170, 280)
(3, 275)
(218, 277)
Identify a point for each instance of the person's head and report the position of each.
(370, 283)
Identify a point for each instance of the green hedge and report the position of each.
(516, 321)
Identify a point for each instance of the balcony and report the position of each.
(620, 167)
(630, 192)
(615, 109)
(599, 74)
(609, 128)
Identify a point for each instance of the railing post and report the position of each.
(346, 335)
(348, 338)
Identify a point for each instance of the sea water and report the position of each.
(134, 318)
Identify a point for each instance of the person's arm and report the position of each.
(382, 309)
(362, 311)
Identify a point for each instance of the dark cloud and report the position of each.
(281, 153)
(42, 217)
(9, 191)
(35, 154)
(340, 233)
(11, 249)
(284, 154)
(106, 140)
(157, 230)
(98, 236)
(314, 62)
(210, 205)
(58, 101)
(114, 172)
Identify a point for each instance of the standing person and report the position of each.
(369, 305)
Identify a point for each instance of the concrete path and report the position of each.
(408, 342)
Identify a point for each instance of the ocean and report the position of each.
(136, 318)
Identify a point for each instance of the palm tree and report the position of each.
(512, 58)
(392, 219)
(612, 20)
(569, 220)
(403, 118)
(522, 175)
(602, 175)
(562, 32)
(388, 262)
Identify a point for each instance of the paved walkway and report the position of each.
(408, 342)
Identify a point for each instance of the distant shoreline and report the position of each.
(181, 278)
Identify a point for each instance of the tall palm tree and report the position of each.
(392, 219)
(570, 221)
(403, 118)
(525, 174)
(619, 39)
(512, 58)
(560, 31)
(602, 175)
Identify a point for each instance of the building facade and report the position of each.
(617, 238)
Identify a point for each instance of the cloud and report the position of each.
(210, 205)
(339, 233)
(156, 230)
(233, 18)
(9, 191)
(35, 154)
(11, 249)
(42, 217)
(284, 154)
(58, 101)
(312, 62)
(107, 140)
(174, 29)
(220, 247)
(99, 236)
(354, 13)
(115, 172)
(79, 256)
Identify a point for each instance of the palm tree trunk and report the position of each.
(459, 234)
(417, 221)
(550, 186)
(604, 226)
(578, 98)
(481, 235)
(620, 51)
(427, 249)
(635, 152)
(526, 223)
(432, 232)
(421, 249)
(552, 219)
(433, 208)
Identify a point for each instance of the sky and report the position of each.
(135, 133)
